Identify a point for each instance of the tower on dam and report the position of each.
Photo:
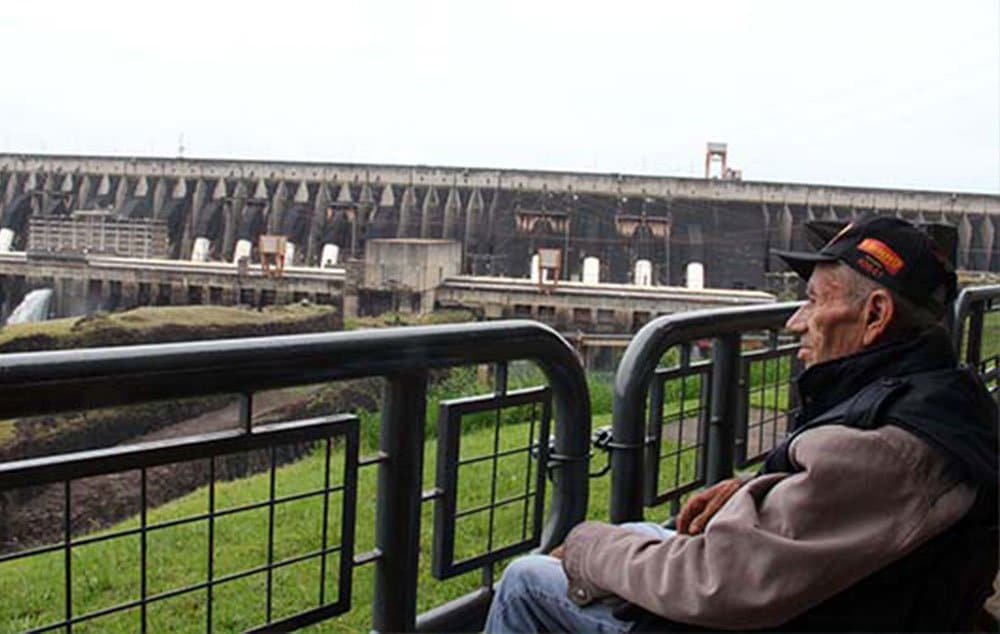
(614, 228)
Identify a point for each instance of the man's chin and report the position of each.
(805, 356)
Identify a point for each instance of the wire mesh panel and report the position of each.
(242, 583)
(976, 332)
(677, 431)
(275, 556)
(490, 504)
(766, 377)
(989, 354)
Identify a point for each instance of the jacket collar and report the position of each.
(826, 384)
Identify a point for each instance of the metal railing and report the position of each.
(697, 396)
(731, 426)
(976, 332)
(36, 383)
(742, 398)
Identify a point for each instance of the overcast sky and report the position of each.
(878, 93)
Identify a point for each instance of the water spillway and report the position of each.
(33, 308)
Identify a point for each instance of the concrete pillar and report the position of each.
(13, 290)
(248, 297)
(74, 297)
(192, 294)
(129, 295)
(113, 295)
(427, 302)
(59, 298)
(350, 304)
(230, 296)
(95, 295)
(178, 295)
(283, 297)
(197, 202)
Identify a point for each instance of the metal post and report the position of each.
(246, 411)
(974, 349)
(725, 407)
(628, 431)
(397, 519)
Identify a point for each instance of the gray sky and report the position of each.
(886, 93)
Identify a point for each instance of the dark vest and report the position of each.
(916, 386)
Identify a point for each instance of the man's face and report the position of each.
(831, 323)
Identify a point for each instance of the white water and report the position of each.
(289, 253)
(34, 307)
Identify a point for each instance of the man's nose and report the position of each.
(796, 323)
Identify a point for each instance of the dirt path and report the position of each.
(264, 404)
(35, 515)
(765, 427)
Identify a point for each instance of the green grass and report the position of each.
(8, 430)
(146, 322)
(409, 319)
(51, 328)
(991, 334)
(106, 573)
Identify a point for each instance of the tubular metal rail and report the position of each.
(976, 341)
(37, 383)
(739, 402)
(735, 419)
(720, 402)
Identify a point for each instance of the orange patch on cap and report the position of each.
(881, 252)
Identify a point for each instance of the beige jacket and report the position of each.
(785, 541)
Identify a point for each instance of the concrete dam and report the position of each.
(594, 229)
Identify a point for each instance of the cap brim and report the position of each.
(820, 232)
(803, 263)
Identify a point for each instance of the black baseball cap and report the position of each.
(893, 253)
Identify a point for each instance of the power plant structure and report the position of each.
(652, 232)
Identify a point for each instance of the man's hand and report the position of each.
(700, 508)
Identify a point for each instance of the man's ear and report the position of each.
(879, 313)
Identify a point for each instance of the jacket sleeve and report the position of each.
(784, 542)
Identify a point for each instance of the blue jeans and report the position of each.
(532, 597)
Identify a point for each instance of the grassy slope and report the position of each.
(33, 593)
(147, 325)
(178, 555)
(409, 319)
(74, 332)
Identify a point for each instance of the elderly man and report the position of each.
(878, 512)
